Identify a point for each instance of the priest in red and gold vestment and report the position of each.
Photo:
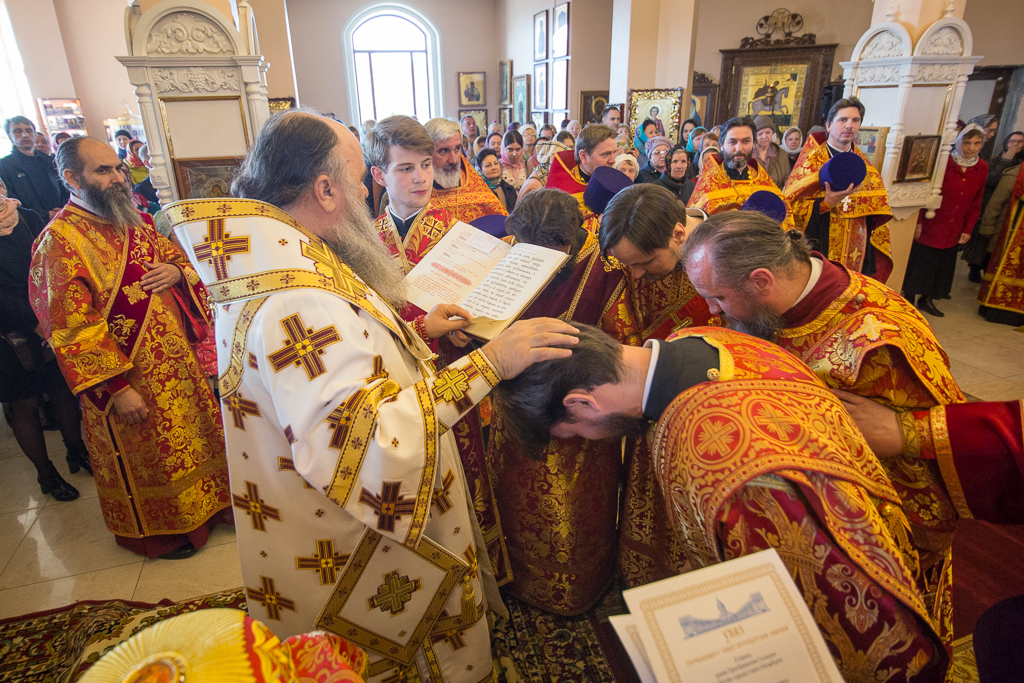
(849, 225)
(1002, 290)
(753, 452)
(399, 150)
(571, 170)
(458, 189)
(728, 180)
(855, 334)
(122, 308)
(560, 513)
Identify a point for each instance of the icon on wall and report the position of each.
(471, 88)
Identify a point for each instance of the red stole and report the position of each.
(833, 281)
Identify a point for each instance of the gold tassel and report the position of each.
(469, 613)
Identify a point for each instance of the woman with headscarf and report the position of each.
(529, 133)
(792, 143)
(932, 262)
(675, 179)
(768, 153)
(657, 147)
(989, 124)
(976, 253)
(513, 165)
(546, 150)
(705, 152)
(693, 141)
(627, 164)
(644, 132)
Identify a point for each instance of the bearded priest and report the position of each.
(122, 308)
(458, 189)
(342, 457)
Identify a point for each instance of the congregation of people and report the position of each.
(719, 368)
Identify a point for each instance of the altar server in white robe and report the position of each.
(351, 506)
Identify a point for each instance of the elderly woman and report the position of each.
(627, 164)
(768, 153)
(574, 127)
(675, 179)
(656, 149)
(546, 150)
(792, 143)
(529, 133)
(491, 170)
(932, 262)
(707, 151)
(514, 167)
(494, 141)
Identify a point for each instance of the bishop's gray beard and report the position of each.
(113, 205)
(448, 176)
(761, 323)
(356, 241)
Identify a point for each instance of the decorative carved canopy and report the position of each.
(780, 20)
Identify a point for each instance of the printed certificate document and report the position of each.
(493, 280)
(739, 621)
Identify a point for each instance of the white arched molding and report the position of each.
(190, 28)
(947, 37)
(433, 52)
(885, 41)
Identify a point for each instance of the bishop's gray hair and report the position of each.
(442, 129)
(293, 149)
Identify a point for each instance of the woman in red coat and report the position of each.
(932, 260)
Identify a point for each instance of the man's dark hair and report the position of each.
(608, 108)
(398, 131)
(547, 218)
(591, 136)
(645, 214)
(531, 404)
(483, 154)
(738, 122)
(739, 242)
(69, 158)
(293, 149)
(16, 120)
(845, 103)
(548, 127)
(564, 124)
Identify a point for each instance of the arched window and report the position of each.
(394, 64)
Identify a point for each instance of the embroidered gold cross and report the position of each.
(134, 292)
(340, 419)
(255, 507)
(218, 246)
(442, 499)
(470, 554)
(389, 506)
(288, 465)
(453, 636)
(775, 421)
(394, 593)
(304, 347)
(330, 266)
(325, 562)
(452, 386)
(268, 596)
(240, 407)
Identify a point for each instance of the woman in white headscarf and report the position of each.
(546, 150)
(792, 143)
(932, 262)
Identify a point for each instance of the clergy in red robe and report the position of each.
(122, 307)
(457, 188)
(571, 170)
(848, 224)
(728, 180)
(752, 452)
(1002, 290)
(399, 151)
(854, 333)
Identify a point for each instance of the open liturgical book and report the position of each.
(490, 278)
(741, 621)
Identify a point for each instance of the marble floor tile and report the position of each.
(21, 491)
(106, 584)
(221, 534)
(987, 355)
(13, 527)
(66, 540)
(965, 374)
(997, 390)
(210, 570)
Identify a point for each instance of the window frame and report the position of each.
(435, 88)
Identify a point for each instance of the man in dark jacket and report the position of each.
(29, 174)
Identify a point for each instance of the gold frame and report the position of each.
(674, 94)
(881, 133)
(167, 127)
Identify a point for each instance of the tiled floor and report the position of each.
(52, 553)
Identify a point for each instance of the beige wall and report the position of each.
(723, 23)
(93, 33)
(276, 45)
(42, 49)
(998, 30)
(468, 31)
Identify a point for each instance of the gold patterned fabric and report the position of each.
(715, 191)
(767, 457)
(863, 212)
(468, 200)
(168, 474)
(1003, 284)
(873, 343)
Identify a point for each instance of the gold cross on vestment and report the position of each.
(268, 596)
(287, 464)
(325, 562)
(240, 407)
(442, 499)
(452, 636)
(341, 418)
(394, 593)
(254, 506)
(218, 246)
(327, 263)
(389, 506)
(304, 347)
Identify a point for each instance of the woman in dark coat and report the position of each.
(932, 262)
(27, 369)
(675, 177)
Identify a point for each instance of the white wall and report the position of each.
(42, 48)
(997, 27)
(469, 36)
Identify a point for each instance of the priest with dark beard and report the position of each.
(122, 308)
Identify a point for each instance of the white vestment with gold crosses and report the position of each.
(350, 501)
